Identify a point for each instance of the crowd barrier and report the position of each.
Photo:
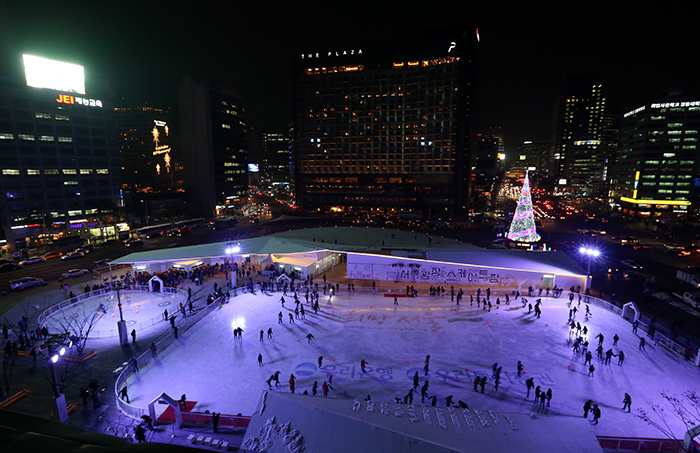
(126, 370)
(111, 333)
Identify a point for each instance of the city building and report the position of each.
(581, 156)
(658, 163)
(277, 163)
(487, 165)
(386, 128)
(214, 139)
(534, 156)
(59, 157)
(150, 162)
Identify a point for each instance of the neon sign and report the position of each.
(72, 100)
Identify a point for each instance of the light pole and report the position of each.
(590, 254)
(57, 349)
(121, 324)
(231, 249)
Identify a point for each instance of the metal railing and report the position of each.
(126, 370)
(111, 333)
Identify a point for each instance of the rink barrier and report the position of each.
(234, 422)
(639, 444)
(111, 333)
(125, 371)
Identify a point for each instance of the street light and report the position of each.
(231, 249)
(58, 342)
(590, 254)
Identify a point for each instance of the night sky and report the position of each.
(139, 50)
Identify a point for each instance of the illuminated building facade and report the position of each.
(214, 138)
(60, 163)
(581, 154)
(658, 162)
(150, 162)
(277, 164)
(385, 128)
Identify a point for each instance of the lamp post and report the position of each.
(121, 324)
(57, 349)
(231, 249)
(590, 254)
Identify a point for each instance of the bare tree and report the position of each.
(78, 326)
(673, 408)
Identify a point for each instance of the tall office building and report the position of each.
(385, 128)
(488, 156)
(580, 154)
(658, 163)
(535, 157)
(147, 148)
(214, 138)
(59, 157)
(277, 166)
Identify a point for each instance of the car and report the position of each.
(680, 251)
(109, 242)
(7, 267)
(74, 273)
(86, 248)
(26, 282)
(101, 264)
(632, 264)
(640, 246)
(50, 255)
(135, 243)
(72, 255)
(36, 259)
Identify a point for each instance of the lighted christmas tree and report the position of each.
(522, 228)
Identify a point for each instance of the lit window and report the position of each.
(10, 172)
(86, 171)
(62, 118)
(51, 171)
(70, 183)
(6, 136)
(33, 172)
(27, 137)
(69, 171)
(65, 139)
(46, 138)
(102, 171)
(42, 115)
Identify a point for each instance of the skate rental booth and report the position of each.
(385, 257)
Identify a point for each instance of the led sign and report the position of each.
(54, 75)
(70, 99)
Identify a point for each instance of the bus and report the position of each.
(153, 230)
(189, 224)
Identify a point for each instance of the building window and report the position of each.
(6, 136)
(65, 139)
(27, 137)
(10, 172)
(33, 172)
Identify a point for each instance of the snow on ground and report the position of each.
(140, 310)
(223, 375)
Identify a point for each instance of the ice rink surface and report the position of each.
(223, 374)
(140, 311)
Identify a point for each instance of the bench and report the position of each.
(14, 398)
(82, 358)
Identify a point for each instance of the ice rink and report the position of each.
(140, 310)
(222, 374)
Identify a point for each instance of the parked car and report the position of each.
(26, 282)
(7, 267)
(72, 255)
(36, 259)
(87, 248)
(50, 255)
(74, 273)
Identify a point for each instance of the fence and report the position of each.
(126, 370)
(111, 333)
(639, 444)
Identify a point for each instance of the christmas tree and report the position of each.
(522, 229)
